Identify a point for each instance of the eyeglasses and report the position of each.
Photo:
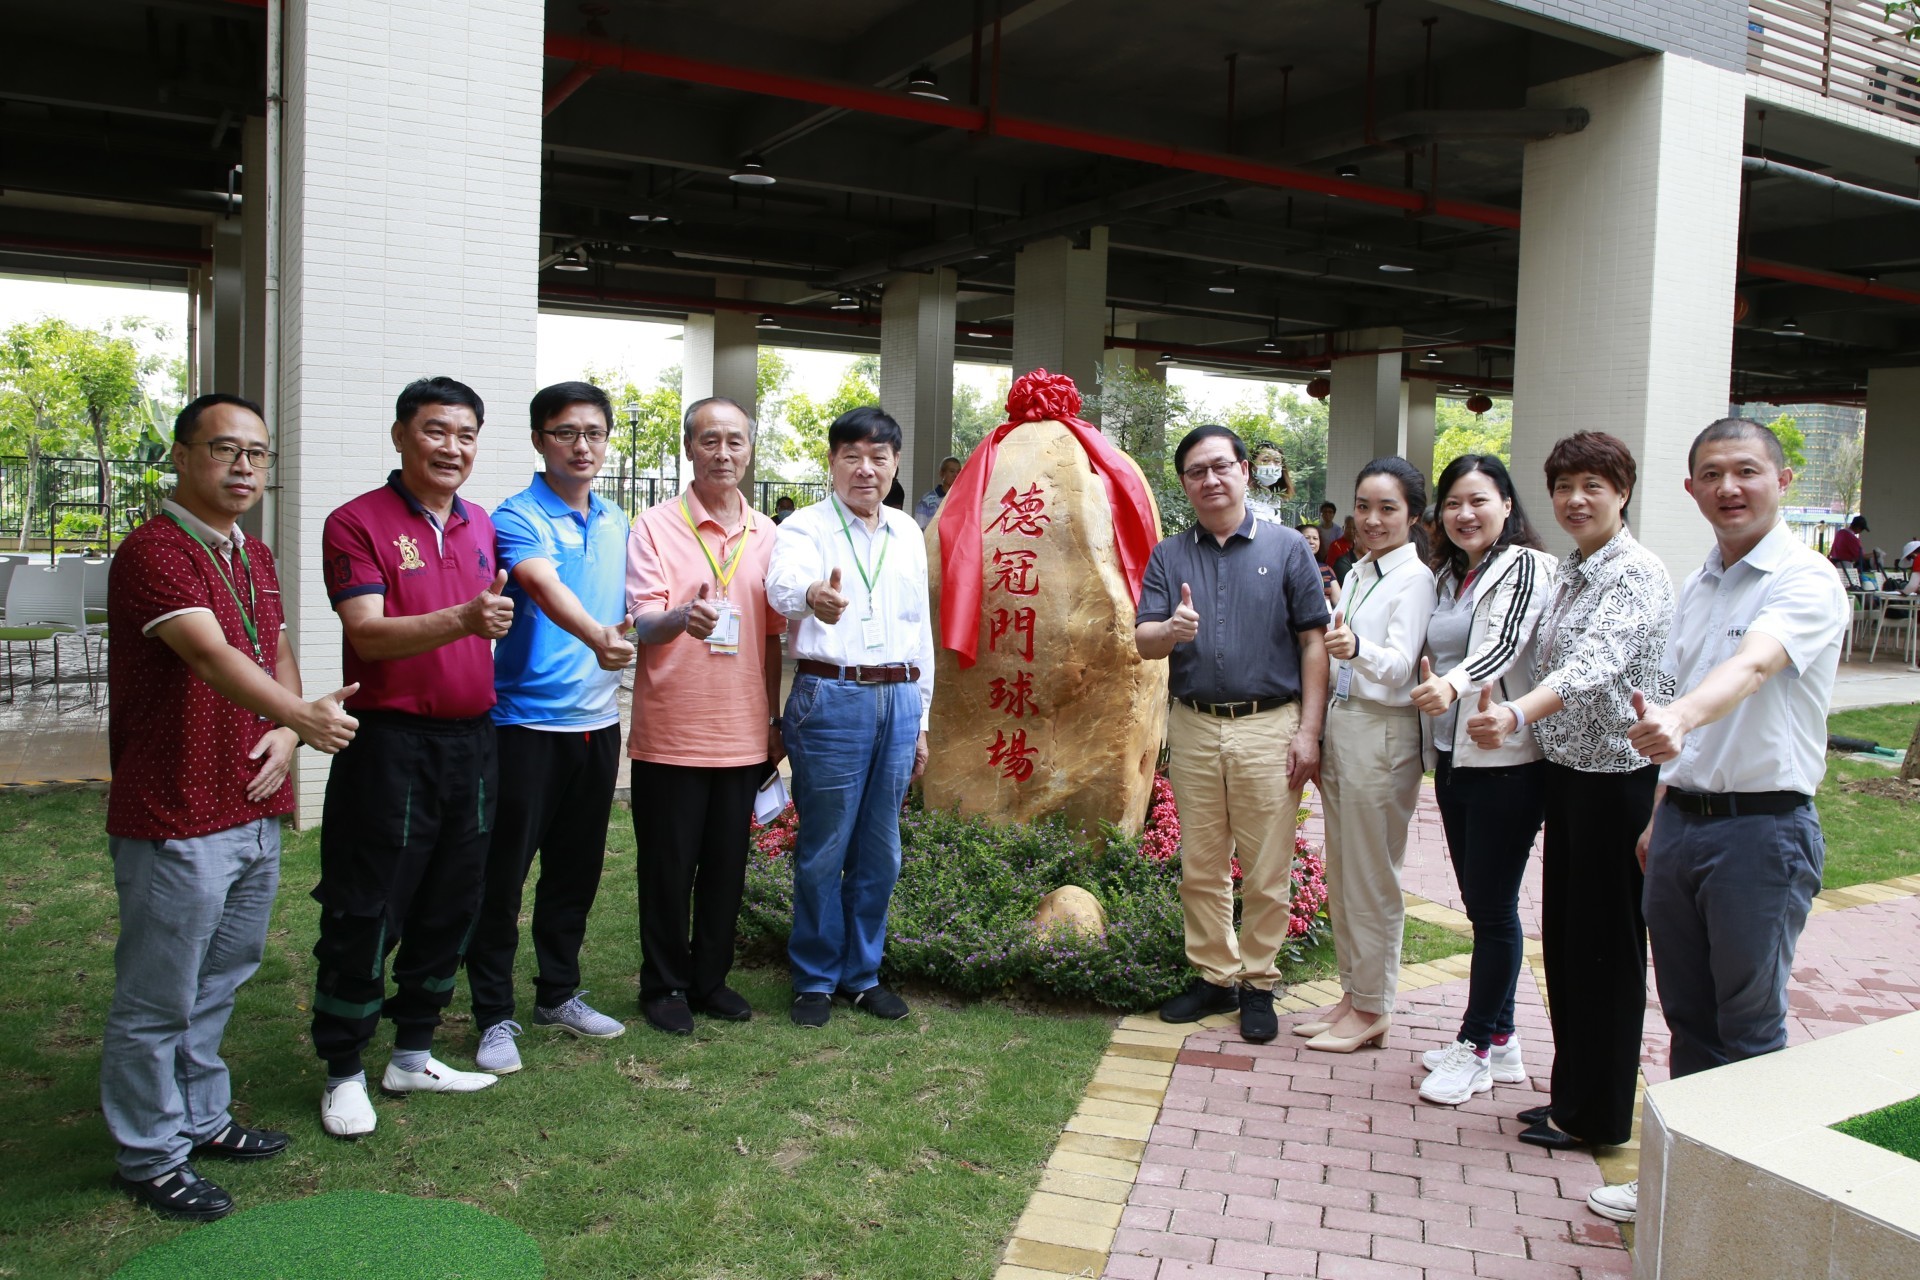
(1197, 474)
(229, 453)
(569, 435)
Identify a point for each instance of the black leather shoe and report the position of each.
(237, 1142)
(179, 1193)
(1257, 1021)
(878, 1001)
(1200, 999)
(724, 1003)
(1545, 1135)
(811, 1009)
(1534, 1115)
(669, 1013)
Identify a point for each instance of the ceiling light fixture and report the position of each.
(924, 84)
(571, 261)
(1166, 357)
(975, 333)
(1789, 328)
(1432, 357)
(845, 302)
(1219, 288)
(648, 217)
(1396, 267)
(766, 322)
(752, 173)
(1270, 346)
(1347, 171)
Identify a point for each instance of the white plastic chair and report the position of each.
(1897, 611)
(95, 592)
(50, 601)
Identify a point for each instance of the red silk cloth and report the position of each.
(1036, 397)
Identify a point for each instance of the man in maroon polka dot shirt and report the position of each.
(204, 714)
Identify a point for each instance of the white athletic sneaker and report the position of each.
(435, 1077)
(1502, 1059)
(1461, 1074)
(346, 1111)
(1621, 1201)
(579, 1018)
(498, 1053)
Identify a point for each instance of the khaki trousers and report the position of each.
(1370, 777)
(1230, 786)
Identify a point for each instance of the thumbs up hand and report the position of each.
(1490, 726)
(825, 598)
(698, 617)
(1341, 643)
(1432, 695)
(1184, 625)
(1658, 732)
(490, 614)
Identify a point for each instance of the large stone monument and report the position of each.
(1041, 703)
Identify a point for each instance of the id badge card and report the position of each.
(872, 634)
(726, 631)
(1343, 683)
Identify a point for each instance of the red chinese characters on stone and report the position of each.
(1011, 755)
(1015, 696)
(1015, 625)
(1022, 513)
(1014, 573)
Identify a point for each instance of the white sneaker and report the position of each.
(346, 1111)
(579, 1018)
(435, 1077)
(1461, 1074)
(497, 1052)
(1621, 1201)
(1502, 1059)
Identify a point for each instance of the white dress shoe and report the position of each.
(435, 1077)
(346, 1111)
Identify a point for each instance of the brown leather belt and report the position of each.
(895, 674)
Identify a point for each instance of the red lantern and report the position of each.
(1742, 307)
(1320, 388)
(1478, 402)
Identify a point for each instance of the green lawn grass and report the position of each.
(1895, 1128)
(746, 1152)
(1868, 837)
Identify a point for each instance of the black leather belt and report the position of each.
(895, 674)
(1234, 710)
(1735, 804)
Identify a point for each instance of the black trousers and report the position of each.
(1491, 817)
(403, 849)
(692, 828)
(1594, 941)
(556, 792)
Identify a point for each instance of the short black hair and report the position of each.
(785, 497)
(867, 424)
(1413, 485)
(1207, 431)
(425, 391)
(188, 419)
(561, 396)
(1740, 429)
(1330, 506)
(950, 458)
(693, 411)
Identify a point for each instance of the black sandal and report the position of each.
(179, 1193)
(237, 1142)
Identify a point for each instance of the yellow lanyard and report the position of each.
(722, 576)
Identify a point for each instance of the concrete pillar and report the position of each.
(1630, 233)
(1887, 496)
(1364, 419)
(254, 231)
(1419, 395)
(1060, 307)
(229, 304)
(410, 219)
(721, 358)
(916, 372)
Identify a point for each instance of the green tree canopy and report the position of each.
(1458, 430)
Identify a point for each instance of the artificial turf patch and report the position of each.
(346, 1235)
(1895, 1128)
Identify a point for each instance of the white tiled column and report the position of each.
(1888, 498)
(1060, 308)
(916, 372)
(409, 230)
(721, 357)
(1628, 246)
(1364, 412)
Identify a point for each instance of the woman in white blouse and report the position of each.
(1599, 646)
(1370, 759)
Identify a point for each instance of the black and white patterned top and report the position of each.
(1603, 636)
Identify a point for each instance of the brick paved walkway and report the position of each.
(1271, 1161)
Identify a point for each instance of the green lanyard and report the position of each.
(1378, 579)
(722, 576)
(868, 578)
(252, 605)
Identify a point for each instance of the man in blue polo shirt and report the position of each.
(557, 674)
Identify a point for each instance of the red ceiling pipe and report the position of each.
(566, 86)
(107, 252)
(1827, 280)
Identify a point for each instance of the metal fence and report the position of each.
(62, 502)
(634, 494)
(1848, 50)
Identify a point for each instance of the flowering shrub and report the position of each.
(962, 912)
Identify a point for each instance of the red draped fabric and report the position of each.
(1037, 397)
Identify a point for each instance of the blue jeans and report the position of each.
(852, 750)
(1491, 817)
(1726, 899)
(193, 924)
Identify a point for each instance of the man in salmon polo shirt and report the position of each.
(703, 733)
(410, 804)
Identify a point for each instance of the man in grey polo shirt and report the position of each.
(1236, 606)
(1734, 853)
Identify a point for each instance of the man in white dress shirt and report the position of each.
(852, 574)
(1734, 853)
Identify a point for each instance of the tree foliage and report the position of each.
(975, 413)
(646, 422)
(1457, 430)
(806, 420)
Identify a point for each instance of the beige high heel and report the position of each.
(1374, 1034)
(1311, 1029)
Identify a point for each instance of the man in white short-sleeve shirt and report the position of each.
(1734, 853)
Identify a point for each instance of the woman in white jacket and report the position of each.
(1492, 582)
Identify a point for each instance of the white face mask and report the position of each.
(1268, 475)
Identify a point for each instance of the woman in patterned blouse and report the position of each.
(1598, 650)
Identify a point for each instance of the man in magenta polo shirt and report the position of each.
(404, 834)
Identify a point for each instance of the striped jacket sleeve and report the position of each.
(1512, 615)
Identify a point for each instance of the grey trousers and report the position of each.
(1725, 901)
(193, 925)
